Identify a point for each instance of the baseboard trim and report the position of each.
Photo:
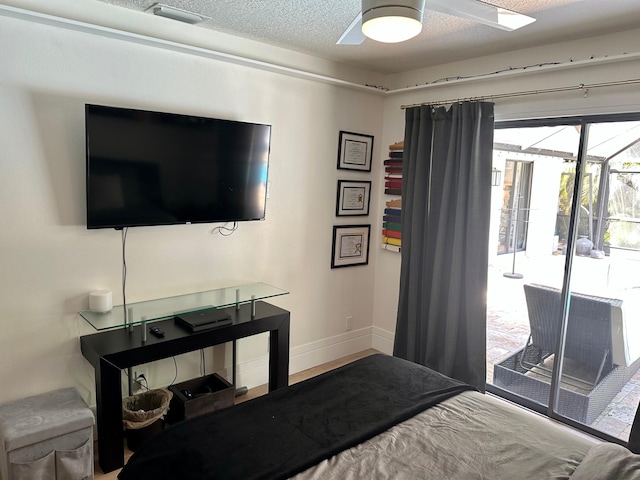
(255, 372)
(329, 349)
(382, 340)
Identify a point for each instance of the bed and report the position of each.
(377, 418)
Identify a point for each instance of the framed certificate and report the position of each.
(355, 151)
(350, 245)
(353, 198)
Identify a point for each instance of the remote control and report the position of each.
(156, 332)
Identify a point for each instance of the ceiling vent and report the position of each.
(176, 14)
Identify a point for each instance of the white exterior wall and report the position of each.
(544, 206)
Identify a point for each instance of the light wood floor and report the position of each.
(258, 391)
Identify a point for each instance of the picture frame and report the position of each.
(353, 198)
(355, 151)
(350, 245)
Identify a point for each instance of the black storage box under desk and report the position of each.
(209, 393)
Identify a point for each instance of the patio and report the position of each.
(508, 323)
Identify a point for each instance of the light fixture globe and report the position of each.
(392, 21)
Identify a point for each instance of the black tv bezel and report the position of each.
(122, 225)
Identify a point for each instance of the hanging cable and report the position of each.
(489, 74)
(224, 230)
(125, 312)
(125, 230)
(175, 377)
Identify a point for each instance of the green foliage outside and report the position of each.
(623, 216)
(565, 195)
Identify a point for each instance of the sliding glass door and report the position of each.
(562, 330)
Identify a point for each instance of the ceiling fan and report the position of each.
(394, 21)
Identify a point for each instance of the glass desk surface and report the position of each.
(162, 308)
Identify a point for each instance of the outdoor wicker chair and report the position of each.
(588, 339)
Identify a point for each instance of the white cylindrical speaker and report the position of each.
(100, 301)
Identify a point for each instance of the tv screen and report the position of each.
(152, 168)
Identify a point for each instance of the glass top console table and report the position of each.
(159, 309)
(112, 349)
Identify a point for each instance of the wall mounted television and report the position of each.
(152, 168)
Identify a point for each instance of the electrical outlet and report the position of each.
(348, 325)
(137, 371)
(140, 379)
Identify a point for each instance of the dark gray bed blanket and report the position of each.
(283, 433)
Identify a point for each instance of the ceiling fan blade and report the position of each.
(482, 13)
(353, 34)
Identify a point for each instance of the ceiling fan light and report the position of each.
(392, 24)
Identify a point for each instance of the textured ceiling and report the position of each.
(313, 27)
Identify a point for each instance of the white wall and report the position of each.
(49, 261)
(616, 58)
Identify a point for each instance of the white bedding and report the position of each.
(470, 436)
(608, 461)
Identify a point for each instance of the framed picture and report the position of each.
(353, 198)
(350, 245)
(355, 151)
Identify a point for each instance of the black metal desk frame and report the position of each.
(111, 351)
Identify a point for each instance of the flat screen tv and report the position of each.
(152, 168)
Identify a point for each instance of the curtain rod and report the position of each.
(584, 87)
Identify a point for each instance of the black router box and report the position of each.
(203, 319)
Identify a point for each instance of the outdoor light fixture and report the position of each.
(175, 13)
(496, 177)
(392, 21)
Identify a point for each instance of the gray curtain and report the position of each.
(446, 196)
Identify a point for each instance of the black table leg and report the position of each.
(279, 356)
(109, 416)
